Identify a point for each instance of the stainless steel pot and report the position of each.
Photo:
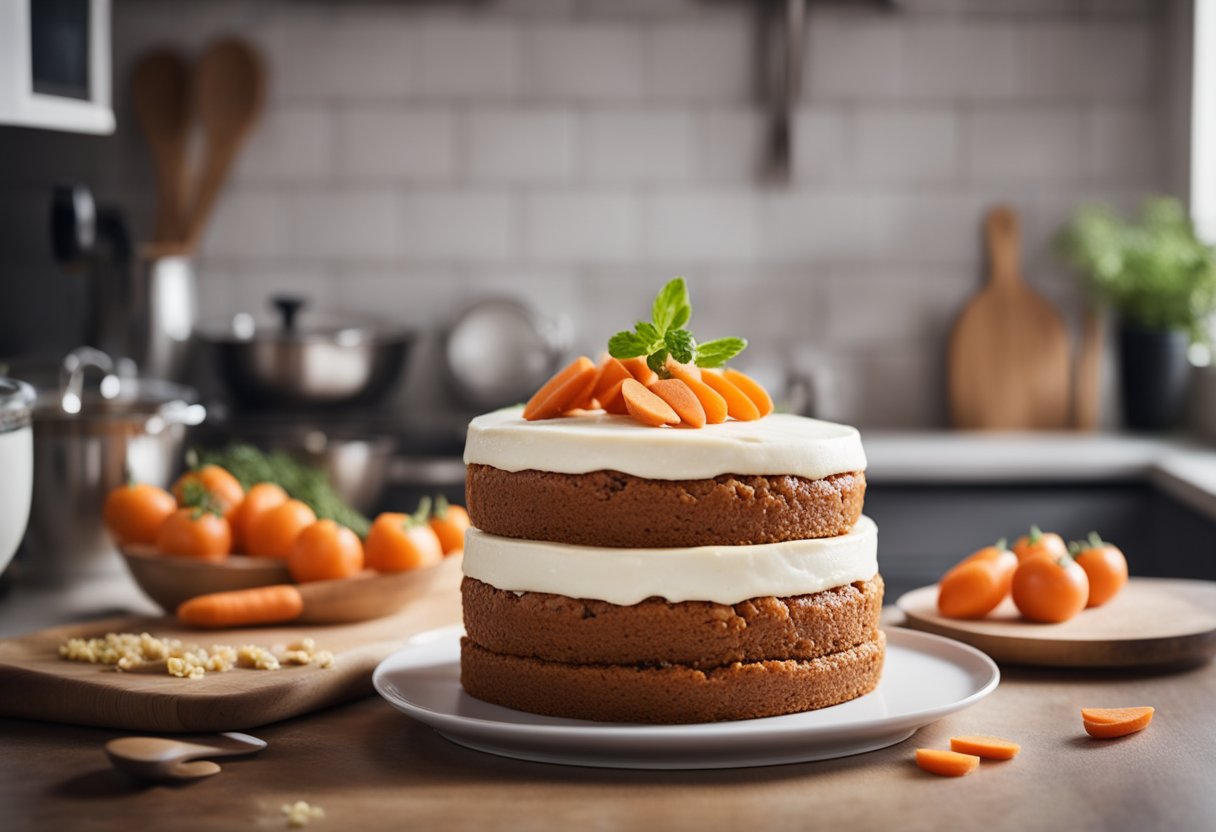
(16, 464)
(88, 440)
(307, 360)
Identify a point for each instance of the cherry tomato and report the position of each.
(134, 513)
(273, 532)
(1105, 566)
(260, 499)
(224, 488)
(325, 551)
(1050, 591)
(195, 533)
(449, 522)
(977, 585)
(1040, 543)
(399, 543)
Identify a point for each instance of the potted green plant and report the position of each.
(1161, 281)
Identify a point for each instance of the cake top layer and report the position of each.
(778, 444)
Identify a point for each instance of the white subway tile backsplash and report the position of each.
(377, 145)
(706, 60)
(521, 145)
(290, 145)
(350, 59)
(1086, 60)
(593, 61)
(582, 227)
(818, 228)
(331, 225)
(852, 56)
(1123, 146)
(901, 305)
(467, 59)
(823, 146)
(906, 145)
(732, 145)
(958, 59)
(246, 224)
(695, 227)
(1024, 146)
(457, 226)
(640, 146)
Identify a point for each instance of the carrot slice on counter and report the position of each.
(645, 406)
(752, 389)
(613, 401)
(640, 370)
(681, 399)
(946, 763)
(612, 373)
(1108, 723)
(711, 400)
(738, 404)
(243, 607)
(561, 390)
(990, 748)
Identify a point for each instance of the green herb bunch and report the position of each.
(665, 334)
(1156, 273)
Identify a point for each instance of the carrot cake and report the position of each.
(628, 573)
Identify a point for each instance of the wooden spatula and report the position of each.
(161, 96)
(1009, 363)
(230, 89)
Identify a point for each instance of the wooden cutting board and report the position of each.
(36, 684)
(1009, 358)
(1153, 621)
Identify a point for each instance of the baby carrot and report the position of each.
(612, 372)
(1108, 723)
(711, 400)
(640, 370)
(551, 398)
(990, 748)
(680, 397)
(738, 404)
(243, 607)
(752, 389)
(946, 763)
(613, 401)
(645, 406)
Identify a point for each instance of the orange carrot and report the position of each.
(612, 373)
(1108, 723)
(711, 400)
(946, 763)
(645, 406)
(613, 401)
(990, 748)
(559, 392)
(243, 607)
(640, 370)
(738, 404)
(570, 371)
(682, 400)
(752, 389)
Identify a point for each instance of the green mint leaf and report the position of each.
(671, 305)
(718, 352)
(680, 344)
(657, 361)
(627, 345)
(650, 334)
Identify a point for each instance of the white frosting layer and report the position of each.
(776, 444)
(725, 574)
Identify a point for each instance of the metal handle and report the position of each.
(71, 377)
(289, 307)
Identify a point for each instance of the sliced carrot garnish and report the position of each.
(711, 400)
(946, 763)
(561, 391)
(683, 372)
(612, 373)
(752, 389)
(640, 370)
(1107, 723)
(990, 748)
(645, 406)
(613, 401)
(682, 400)
(738, 404)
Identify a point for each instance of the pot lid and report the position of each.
(292, 321)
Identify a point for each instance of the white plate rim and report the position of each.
(754, 729)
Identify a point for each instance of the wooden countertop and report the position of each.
(370, 767)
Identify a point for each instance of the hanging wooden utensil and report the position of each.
(162, 99)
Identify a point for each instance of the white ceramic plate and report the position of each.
(925, 678)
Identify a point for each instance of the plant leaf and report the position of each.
(657, 361)
(627, 345)
(717, 352)
(680, 344)
(671, 305)
(650, 334)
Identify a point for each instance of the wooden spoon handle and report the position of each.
(1001, 228)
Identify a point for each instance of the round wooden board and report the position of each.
(1153, 621)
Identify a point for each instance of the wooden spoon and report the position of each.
(156, 758)
(230, 89)
(160, 90)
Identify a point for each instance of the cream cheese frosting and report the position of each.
(777, 444)
(722, 574)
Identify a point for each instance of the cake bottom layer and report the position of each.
(670, 693)
(699, 634)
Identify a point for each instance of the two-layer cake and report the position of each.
(627, 573)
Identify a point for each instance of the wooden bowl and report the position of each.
(171, 579)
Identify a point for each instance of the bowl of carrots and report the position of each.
(210, 533)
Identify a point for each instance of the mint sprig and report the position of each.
(665, 334)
